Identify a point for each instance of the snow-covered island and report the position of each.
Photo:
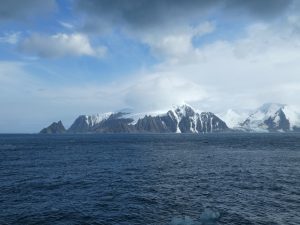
(269, 117)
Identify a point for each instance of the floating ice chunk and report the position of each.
(209, 216)
(183, 221)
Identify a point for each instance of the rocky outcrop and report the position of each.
(152, 124)
(54, 128)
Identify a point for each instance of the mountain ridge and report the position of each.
(180, 119)
(270, 117)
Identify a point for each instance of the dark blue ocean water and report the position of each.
(150, 179)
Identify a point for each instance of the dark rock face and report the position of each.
(80, 125)
(157, 124)
(209, 122)
(170, 121)
(182, 120)
(54, 128)
(151, 124)
(114, 123)
(278, 122)
(246, 123)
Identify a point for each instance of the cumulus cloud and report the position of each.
(259, 67)
(60, 45)
(176, 43)
(20, 10)
(167, 26)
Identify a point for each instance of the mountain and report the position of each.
(115, 123)
(293, 115)
(190, 121)
(84, 123)
(54, 128)
(180, 119)
(272, 117)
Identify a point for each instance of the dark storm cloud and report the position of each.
(263, 9)
(144, 13)
(140, 13)
(24, 9)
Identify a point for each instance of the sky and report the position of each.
(61, 59)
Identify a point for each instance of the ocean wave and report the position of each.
(7, 147)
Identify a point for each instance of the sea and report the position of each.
(140, 179)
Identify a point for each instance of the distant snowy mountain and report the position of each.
(180, 119)
(293, 115)
(85, 123)
(272, 117)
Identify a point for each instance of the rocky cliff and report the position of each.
(54, 128)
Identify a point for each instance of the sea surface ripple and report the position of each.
(168, 179)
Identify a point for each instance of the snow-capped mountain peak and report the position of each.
(184, 110)
(272, 117)
(269, 109)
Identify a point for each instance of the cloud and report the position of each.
(30, 103)
(256, 68)
(144, 15)
(177, 43)
(30, 107)
(60, 45)
(261, 66)
(261, 9)
(161, 91)
(66, 25)
(10, 38)
(20, 10)
(167, 26)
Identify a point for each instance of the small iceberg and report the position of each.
(208, 217)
